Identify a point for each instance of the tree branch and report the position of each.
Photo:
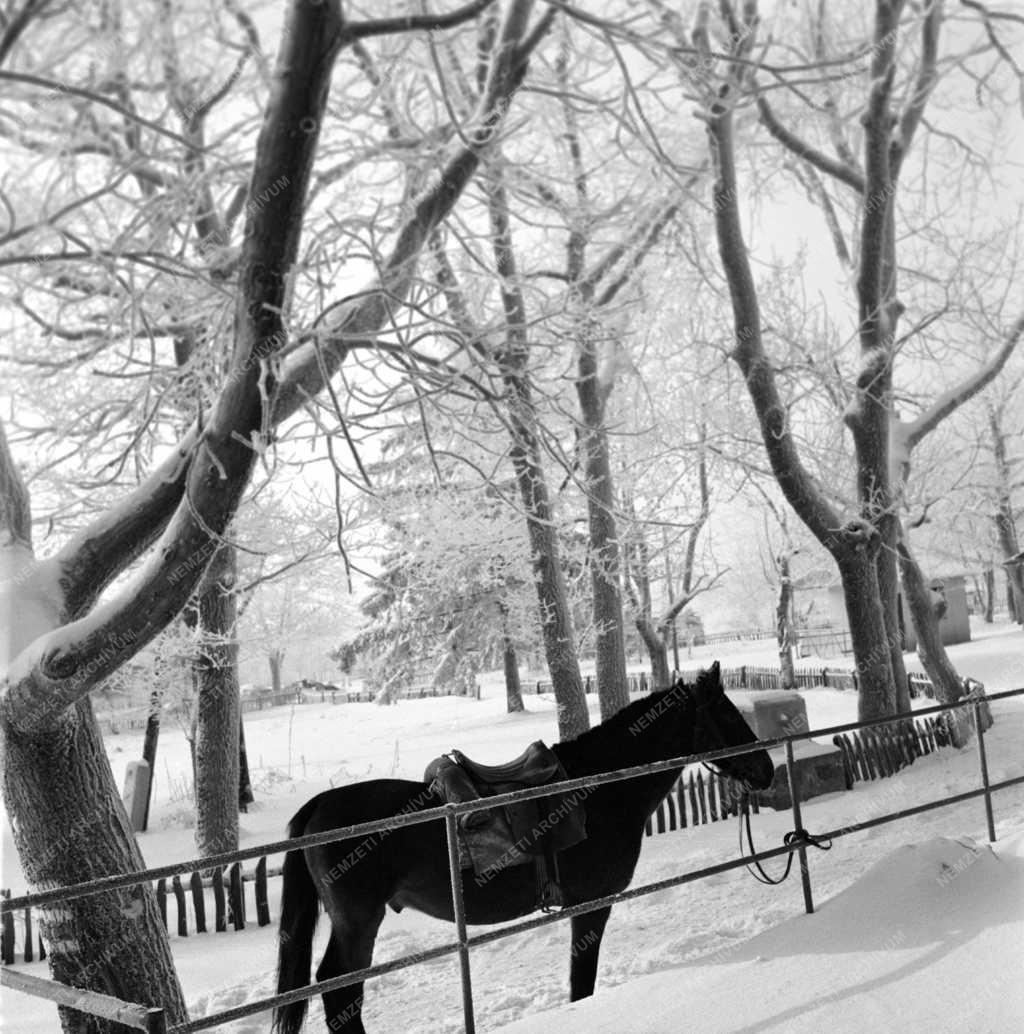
(834, 167)
(947, 403)
(63, 666)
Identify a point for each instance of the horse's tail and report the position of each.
(300, 909)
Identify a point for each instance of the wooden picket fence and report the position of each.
(882, 751)
(876, 753)
(697, 799)
(20, 941)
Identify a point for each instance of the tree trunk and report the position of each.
(603, 541)
(657, 652)
(71, 826)
(552, 594)
(1005, 522)
(990, 595)
(1013, 597)
(784, 624)
(68, 821)
(218, 708)
(930, 649)
(275, 659)
(513, 687)
(868, 636)
(67, 818)
(149, 745)
(245, 794)
(889, 592)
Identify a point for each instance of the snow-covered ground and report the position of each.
(916, 919)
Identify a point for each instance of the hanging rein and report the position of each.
(798, 837)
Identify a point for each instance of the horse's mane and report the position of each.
(611, 735)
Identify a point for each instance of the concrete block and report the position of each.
(818, 769)
(774, 713)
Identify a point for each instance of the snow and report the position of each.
(929, 935)
(918, 919)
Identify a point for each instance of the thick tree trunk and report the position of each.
(1005, 522)
(948, 685)
(657, 652)
(218, 709)
(871, 652)
(67, 818)
(603, 540)
(612, 688)
(889, 592)
(69, 826)
(552, 594)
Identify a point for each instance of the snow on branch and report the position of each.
(62, 666)
(366, 314)
(949, 401)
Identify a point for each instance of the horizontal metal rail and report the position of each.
(138, 1017)
(107, 883)
(150, 1021)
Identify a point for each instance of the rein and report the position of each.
(794, 836)
(704, 720)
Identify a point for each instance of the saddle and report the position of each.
(498, 838)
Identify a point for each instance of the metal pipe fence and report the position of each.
(144, 1018)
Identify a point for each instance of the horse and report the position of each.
(357, 878)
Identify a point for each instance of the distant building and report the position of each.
(954, 624)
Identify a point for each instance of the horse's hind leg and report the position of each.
(587, 931)
(350, 948)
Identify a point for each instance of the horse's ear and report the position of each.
(715, 677)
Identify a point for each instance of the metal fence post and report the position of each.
(983, 761)
(459, 909)
(156, 1021)
(794, 796)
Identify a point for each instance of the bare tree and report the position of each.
(68, 820)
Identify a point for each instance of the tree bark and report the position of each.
(67, 818)
(605, 573)
(930, 649)
(784, 631)
(871, 650)
(218, 708)
(1005, 521)
(149, 745)
(513, 686)
(552, 593)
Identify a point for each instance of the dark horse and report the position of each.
(408, 866)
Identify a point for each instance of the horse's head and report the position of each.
(720, 724)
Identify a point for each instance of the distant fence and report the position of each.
(760, 677)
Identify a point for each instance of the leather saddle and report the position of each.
(494, 839)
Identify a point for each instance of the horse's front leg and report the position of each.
(587, 931)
